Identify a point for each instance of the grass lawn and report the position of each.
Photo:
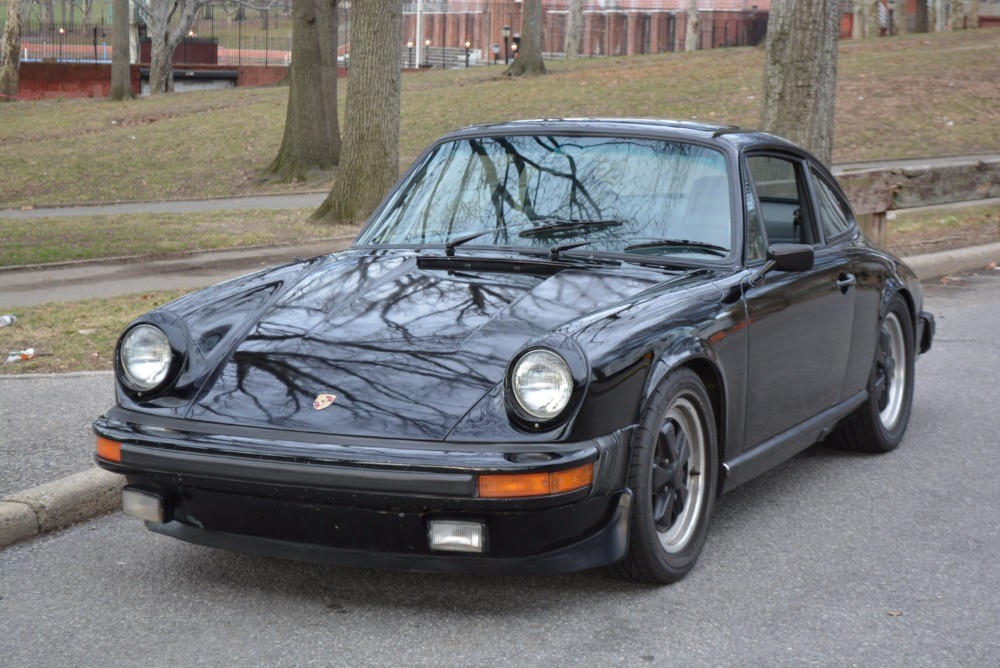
(58, 239)
(927, 231)
(910, 96)
(73, 336)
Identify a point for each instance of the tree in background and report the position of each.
(312, 131)
(872, 26)
(121, 80)
(164, 39)
(691, 36)
(529, 54)
(974, 14)
(800, 73)
(10, 51)
(940, 15)
(48, 9)
(920, 23)
(369, 162)
(957, 18)
(858, 20)
(574, 24)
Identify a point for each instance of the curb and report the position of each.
(83, 496)
(933, 265)
(75, 498)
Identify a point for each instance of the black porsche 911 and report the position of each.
(552, 347)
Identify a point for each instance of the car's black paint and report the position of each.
(415, 342)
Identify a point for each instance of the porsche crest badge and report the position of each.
(324, 400)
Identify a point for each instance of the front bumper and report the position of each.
(367, 502)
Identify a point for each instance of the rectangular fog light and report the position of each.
(144, 505)
(455, 536)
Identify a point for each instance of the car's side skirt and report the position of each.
(770, 453)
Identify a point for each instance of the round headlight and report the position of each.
(542, 383)
(145, 357)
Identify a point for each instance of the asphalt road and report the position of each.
(830, 559)
(45, 426)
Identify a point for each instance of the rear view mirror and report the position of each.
(790, 257)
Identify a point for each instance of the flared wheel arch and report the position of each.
(711, 377)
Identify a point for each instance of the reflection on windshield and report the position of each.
(507, 191)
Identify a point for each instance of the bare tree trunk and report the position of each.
(691, 35)
(121, 80)
(574, 24)
(369, 163)
(800, 73)
(974, 14)
(920, 23)
(529, 55)
(164, 39)
(161, 64)
(872, 27)
(48, 14)
(957, 18)
(312, 131)
(858, 20)
(941, 14)
(10, 51)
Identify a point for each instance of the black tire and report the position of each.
(879, 424)
(672, 503)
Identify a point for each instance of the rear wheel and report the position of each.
(672, 475)
(879, 424)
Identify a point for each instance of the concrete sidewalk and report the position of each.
(38, 446)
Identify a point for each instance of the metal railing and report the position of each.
(244, 36)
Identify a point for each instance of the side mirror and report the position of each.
(785, 257)
(789, 257)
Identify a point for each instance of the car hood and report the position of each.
(405, 350)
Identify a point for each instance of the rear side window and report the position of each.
(834, 213)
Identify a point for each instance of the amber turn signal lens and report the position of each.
(510, 486)
(108, 449)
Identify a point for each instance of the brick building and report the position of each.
(610, 27)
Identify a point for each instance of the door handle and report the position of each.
(845, 282)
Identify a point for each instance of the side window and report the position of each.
(756, 240)
(834, 214)
(780, 185)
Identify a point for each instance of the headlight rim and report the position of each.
(579, 369)
(126, 381)
(515, 365)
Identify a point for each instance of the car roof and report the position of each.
(678, 129)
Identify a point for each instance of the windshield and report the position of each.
(619, 194)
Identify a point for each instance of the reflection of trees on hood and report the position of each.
(404, 350)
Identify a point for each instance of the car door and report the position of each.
(800, 322)
(840, 231)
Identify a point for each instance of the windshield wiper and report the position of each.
(711, 249)
(449, 248)
(550, 225)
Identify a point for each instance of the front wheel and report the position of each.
(879, 424)
(672, 475)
